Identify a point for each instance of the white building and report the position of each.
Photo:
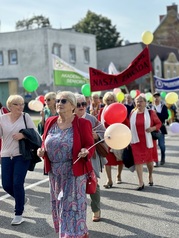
(29, 52)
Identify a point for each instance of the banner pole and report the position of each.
(151, 82)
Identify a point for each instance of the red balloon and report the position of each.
(41, 99)
(115, 113)
(137, 92)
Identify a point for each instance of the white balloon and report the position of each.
(117, 136)
(35, 105)
(30, 104)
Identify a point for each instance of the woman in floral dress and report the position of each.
(66, 137)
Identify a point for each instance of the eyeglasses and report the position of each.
(18, 104)
(63, 100)
(83, 104)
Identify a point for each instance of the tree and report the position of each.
(32, 23)
(106, 34)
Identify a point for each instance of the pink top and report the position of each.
(10, 147)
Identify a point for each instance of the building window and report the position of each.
(1, 58)
(86, 55)
(168, 72)
(56, 50)
(174, 72)
(72, 54)
(12, 56)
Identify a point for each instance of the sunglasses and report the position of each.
(47, 100)
(83, 104)
(63, 101)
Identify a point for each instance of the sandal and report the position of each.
(96, 216)
(108, 185)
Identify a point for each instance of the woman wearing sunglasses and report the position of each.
(66, 138)
(98, 162)
(48, 111)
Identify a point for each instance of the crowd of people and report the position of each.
(70, 125)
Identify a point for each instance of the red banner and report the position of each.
(140, 66)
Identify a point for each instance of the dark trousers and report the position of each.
(13, 172)
(161, 144)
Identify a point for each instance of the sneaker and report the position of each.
(17, 220)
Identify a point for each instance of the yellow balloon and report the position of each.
(117, 136)
(147, 37)
(171, 98)
(120, 96)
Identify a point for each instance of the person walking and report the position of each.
(108, 98)
(48, 111)
(144, 148)
(162, 112)
(14, 166)
(67, 138)
(98, 161)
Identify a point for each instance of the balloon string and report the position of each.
(36, 93)
(88, 150)
(96, 126)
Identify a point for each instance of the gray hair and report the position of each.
(80, 97)
(142, 97)
(69, 96)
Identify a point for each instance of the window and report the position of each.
(86, 55)
(12, 56)
(174, 72)
(72, 54)
(56, 50)
(168, 72)
(1, 58)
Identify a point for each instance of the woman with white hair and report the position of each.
(66, 138)
(144, 148)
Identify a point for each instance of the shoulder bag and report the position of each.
(91, 182)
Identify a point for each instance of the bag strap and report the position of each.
(24, 120)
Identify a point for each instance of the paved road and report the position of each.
(151, 213)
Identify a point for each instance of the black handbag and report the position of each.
(156, 135)
(127, 157)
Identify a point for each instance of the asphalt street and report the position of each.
(126, 212)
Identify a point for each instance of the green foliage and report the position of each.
(32, 23)
(106, 34)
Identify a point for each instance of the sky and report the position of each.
(130, 17)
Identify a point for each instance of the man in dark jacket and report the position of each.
(162, 113)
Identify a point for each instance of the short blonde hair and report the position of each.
(14, 98)
(109, 95)
(69, 96)
(51, 95)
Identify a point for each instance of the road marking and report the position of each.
(27, 187)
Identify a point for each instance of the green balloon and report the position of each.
(30, 83)
(86, 91)
(163, 94)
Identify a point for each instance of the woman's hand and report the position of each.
(95, 136)
(40, 152)
(150, 129)
(18, 136)
(83, 153)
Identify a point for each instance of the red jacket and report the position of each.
(82, 138)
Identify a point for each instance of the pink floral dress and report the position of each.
(68, 196)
